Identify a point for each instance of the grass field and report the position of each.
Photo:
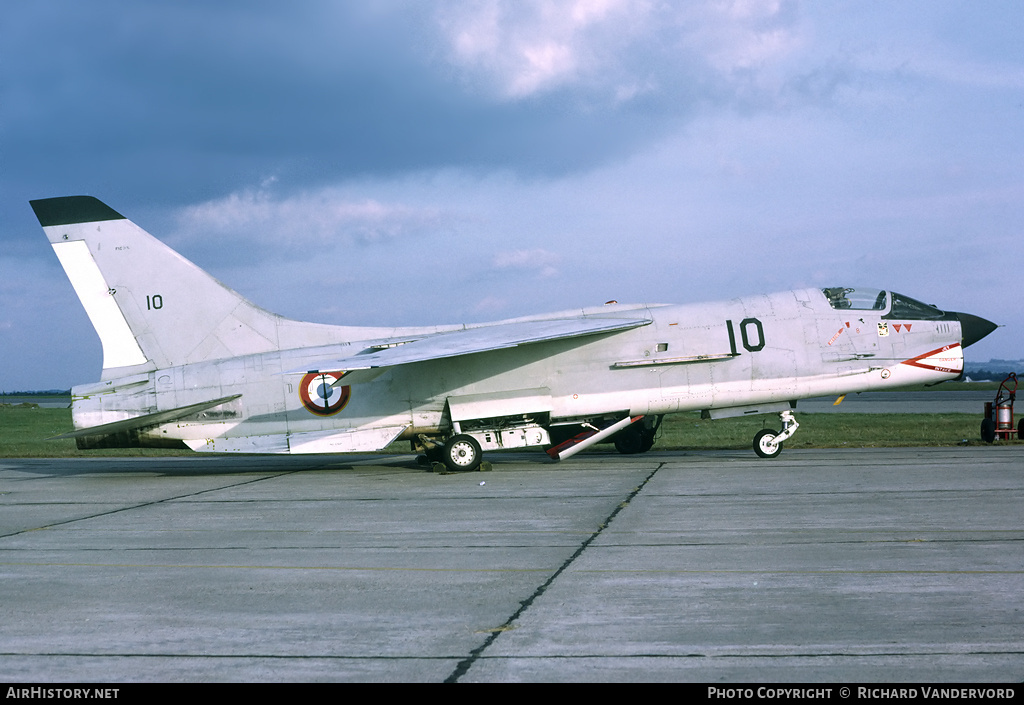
(24, 430)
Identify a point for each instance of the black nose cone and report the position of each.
(974, 328)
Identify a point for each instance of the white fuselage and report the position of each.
(744, 354)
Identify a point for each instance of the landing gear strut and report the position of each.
(768, 443)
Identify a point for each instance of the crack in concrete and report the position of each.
(463, 667)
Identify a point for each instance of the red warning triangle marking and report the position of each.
(907, 326)
(897, 326)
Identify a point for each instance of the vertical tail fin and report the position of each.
(151, 307)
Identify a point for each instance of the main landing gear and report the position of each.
(461, 453)
(768, 443)
(638, 437)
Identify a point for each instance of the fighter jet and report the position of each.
(187, 361)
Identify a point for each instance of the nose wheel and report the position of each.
(768, 443)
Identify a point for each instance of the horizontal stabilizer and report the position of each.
(477, 340)
(145, 421)
(353, 440)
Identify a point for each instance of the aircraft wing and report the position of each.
(476, 340)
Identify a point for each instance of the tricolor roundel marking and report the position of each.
(320, 397)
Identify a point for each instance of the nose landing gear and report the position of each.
(768, 443)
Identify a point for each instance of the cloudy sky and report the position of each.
(405, 162)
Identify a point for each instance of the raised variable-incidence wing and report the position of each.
(186, 360)
(478, 339)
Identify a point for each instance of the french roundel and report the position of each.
(319, 394)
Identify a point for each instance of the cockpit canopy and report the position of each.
(859, 299)
(867, 299)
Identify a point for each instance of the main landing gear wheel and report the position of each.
(462, 453)
(765, 445)
(647, 440)
(630, 440)
(637, 438)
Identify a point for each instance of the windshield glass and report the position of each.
(859, 299)
(906, 307)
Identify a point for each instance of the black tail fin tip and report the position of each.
(69, 210)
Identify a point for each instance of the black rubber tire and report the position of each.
(647, 436)
(630, 440)
(462, 453)
(762, 450)
(988, 430)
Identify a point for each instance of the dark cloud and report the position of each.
(180, 102)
